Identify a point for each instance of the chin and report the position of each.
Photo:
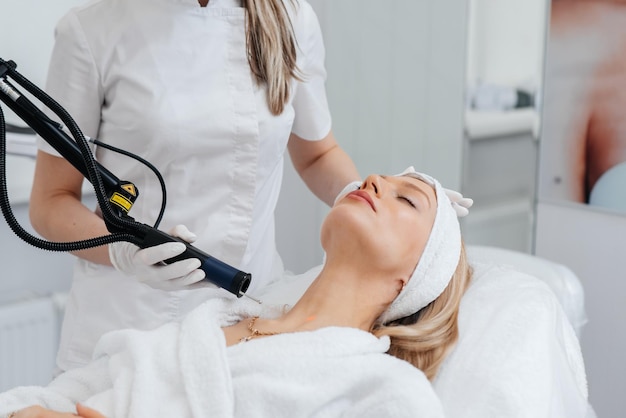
(344, 226)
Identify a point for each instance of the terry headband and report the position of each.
(441, 253)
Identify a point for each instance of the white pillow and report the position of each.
(563, 282)
(517, 354)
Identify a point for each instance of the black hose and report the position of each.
(113, 221)
(147, 164)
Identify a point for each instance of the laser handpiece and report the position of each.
(115, 196)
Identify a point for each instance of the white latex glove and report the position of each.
(147, 266)
(355, 185)
(460, 204)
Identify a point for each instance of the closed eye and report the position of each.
(407, 200)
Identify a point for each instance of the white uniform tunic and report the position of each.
(170, 81)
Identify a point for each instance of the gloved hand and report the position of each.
(355, 185)
(460, 204)
(147, 264)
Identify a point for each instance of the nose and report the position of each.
(375, 183)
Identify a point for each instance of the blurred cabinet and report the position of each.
(499, 173)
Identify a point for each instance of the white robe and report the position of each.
(186, 370)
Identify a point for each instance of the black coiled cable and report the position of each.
(111, 219)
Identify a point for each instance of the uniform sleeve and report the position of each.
(312, 115)
(73, 80)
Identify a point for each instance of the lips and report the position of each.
(362, 195)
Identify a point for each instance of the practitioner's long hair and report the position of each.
(425, 338)
(271, 44)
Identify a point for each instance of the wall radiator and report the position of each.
(29, 334)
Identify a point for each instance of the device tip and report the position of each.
(250, 297)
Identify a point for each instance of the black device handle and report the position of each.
(218, 272)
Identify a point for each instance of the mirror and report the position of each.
(584, 160)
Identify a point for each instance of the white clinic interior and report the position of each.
(401, 80)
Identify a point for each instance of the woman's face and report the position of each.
(386, 222)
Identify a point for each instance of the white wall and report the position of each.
(26, 37)
(28, 271)
(396, 81)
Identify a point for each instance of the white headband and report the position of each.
(441, 254)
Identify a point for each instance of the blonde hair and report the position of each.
(271, 47)
(426, 337)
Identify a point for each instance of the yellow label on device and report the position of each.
(121, 201)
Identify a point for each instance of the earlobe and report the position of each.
(402, 286)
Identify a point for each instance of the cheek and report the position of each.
(395, 248)
(411, 238)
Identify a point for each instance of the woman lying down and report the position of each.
(362, 341)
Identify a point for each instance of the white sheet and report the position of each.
(517, 355)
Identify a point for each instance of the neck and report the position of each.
(337, 297)
(203, 3)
